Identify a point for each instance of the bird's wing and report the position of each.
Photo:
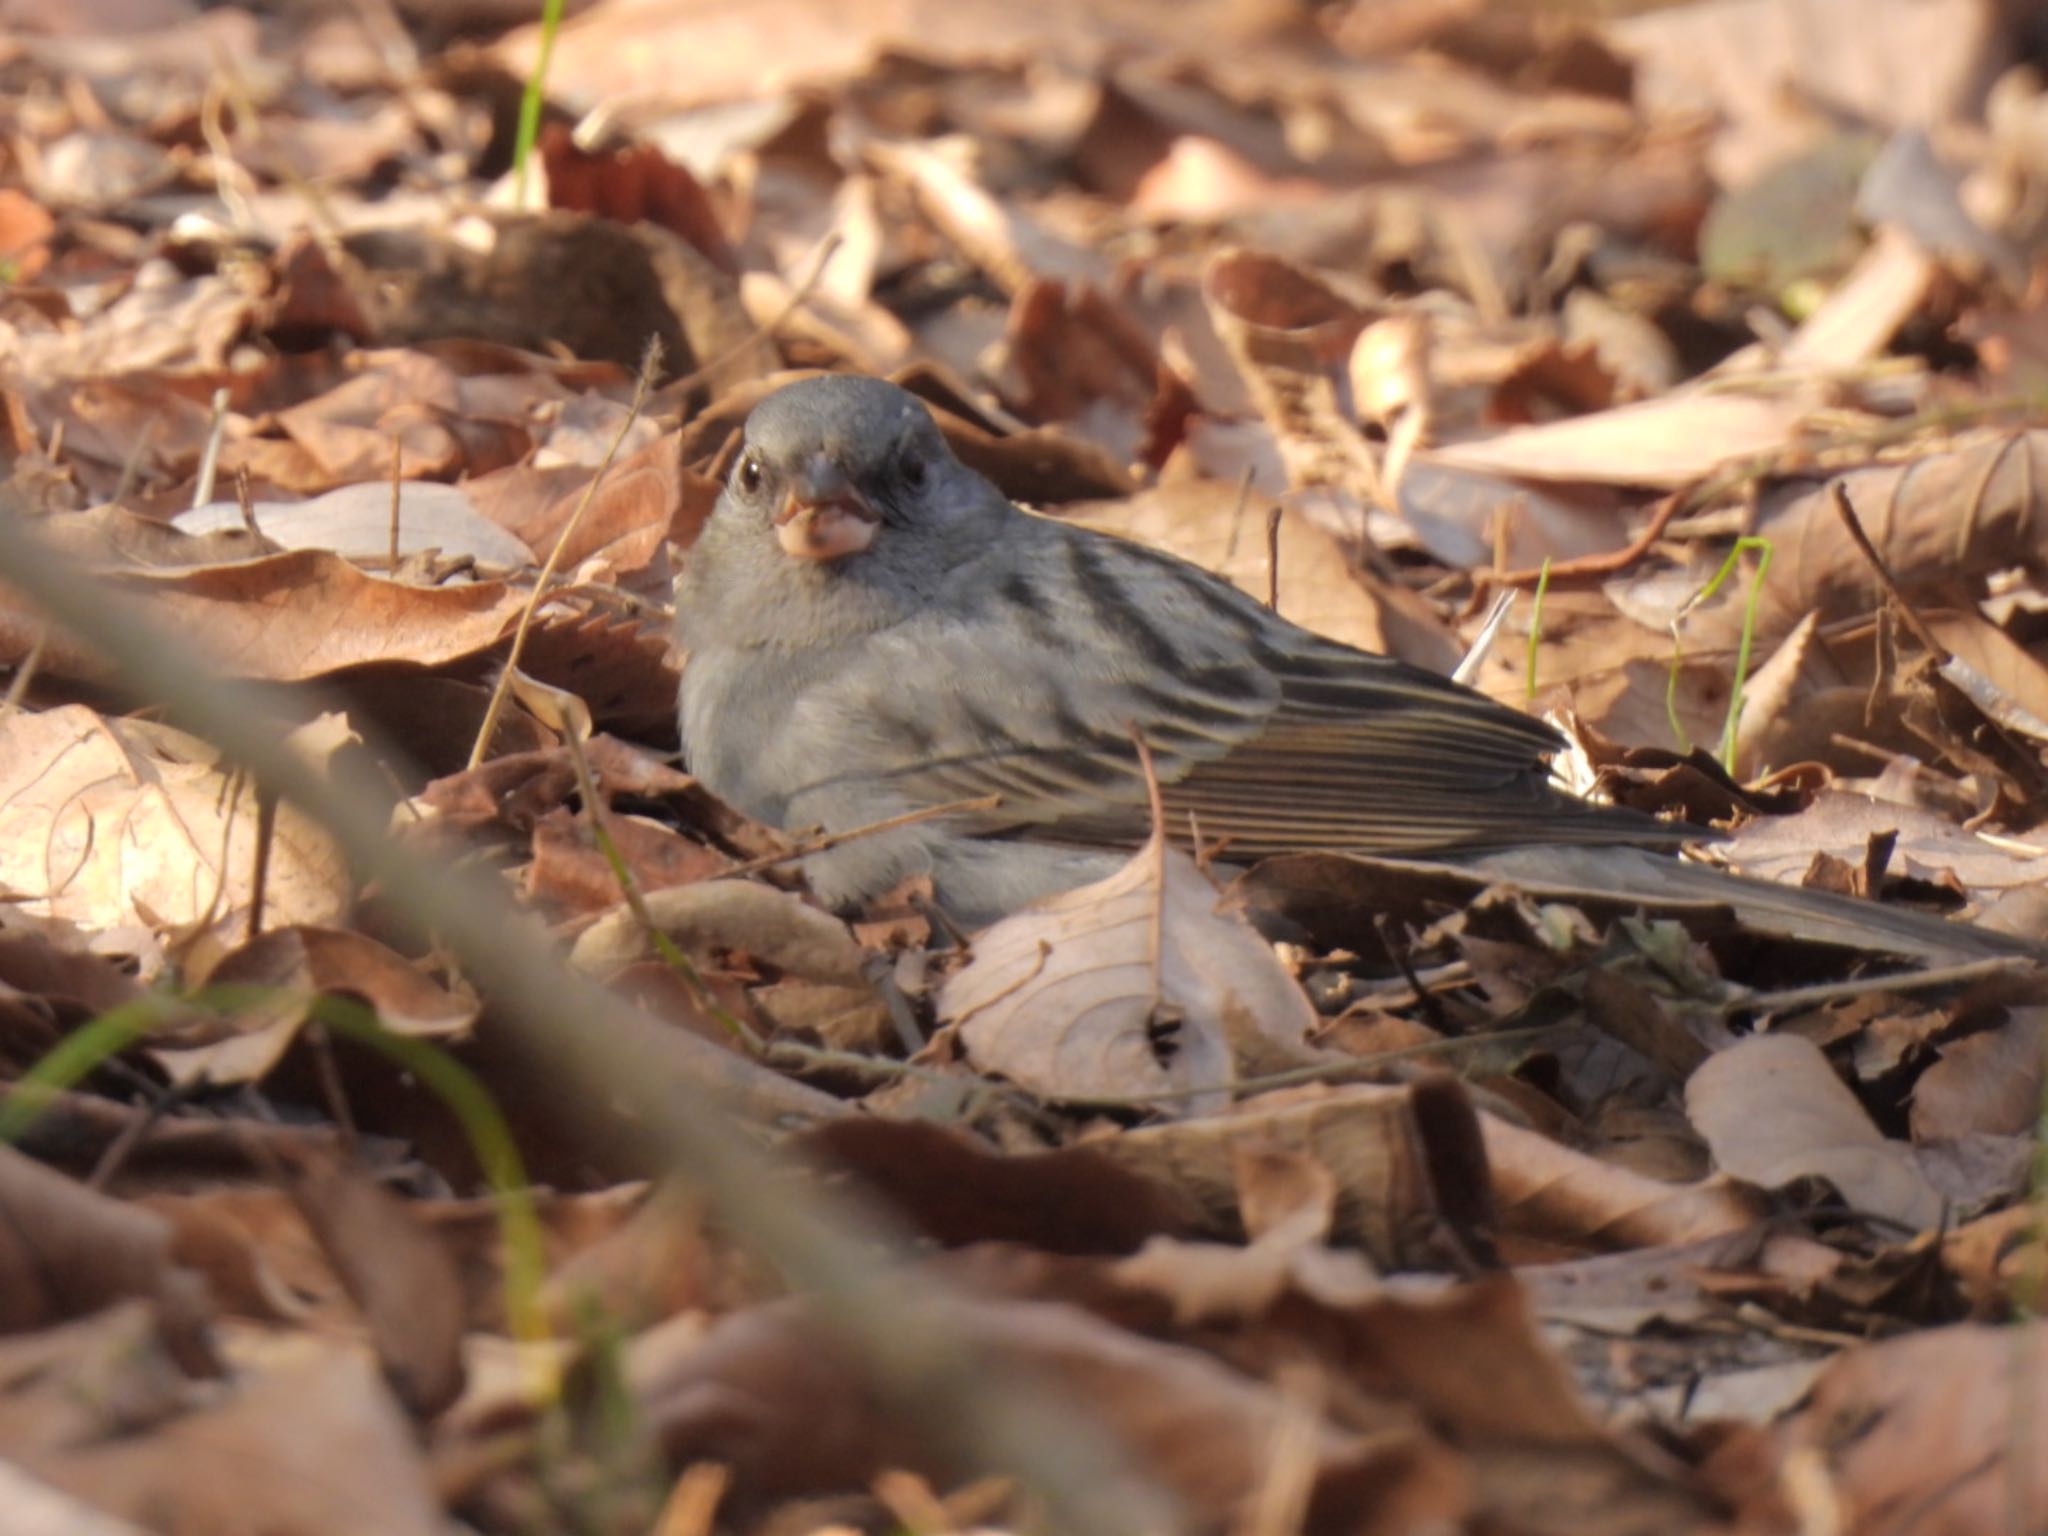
(1263, 736)
(1368, 755)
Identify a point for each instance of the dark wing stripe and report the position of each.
(1028, 606)
(1111, 608)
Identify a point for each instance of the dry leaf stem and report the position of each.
(649, 362)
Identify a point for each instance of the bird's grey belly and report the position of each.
(797, 741)
(737, 707)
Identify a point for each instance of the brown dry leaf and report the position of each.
(1287, 1199)
(1407, 1161)
(1133, 986)
(1289, 335)
(1198, 1427)
(109, 823)
(1625, 1292)
(288, 968)
(570, 874)
(155, 420)
(635, 1255)
(1774, 1112)
(1946, 518)
(304, 614)
(25, 230)
(1988, 1083)
(1663, 443)
(957, 1192)
(1200, 179)
(253, 1247)
(70, 1251)
(1759, 68)
(777, 928)
(1940, 1433)
(1466, 519)
(400, 1275)
(1000, 238)
(624, 524)
(1927, 846)
(1551, 1192)
(461, 407)
(303, 1439)
(1996, 1260)
(163, 320)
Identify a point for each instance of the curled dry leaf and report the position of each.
(1136, 985)
(1773, 1112)
(66, 1250)
(1551, 1192)
(1950, 517)
(287, 969)
(303, 1438)
(400, 1274)
(1290, 337)
(1407, 1162)
(1946, 1425)
(308, 613)
(108, 823)
(771, 926)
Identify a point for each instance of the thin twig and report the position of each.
(1273, 557)
(392, 543)
(17, 686)
(209, 461)
(636, 903)
(1865, 986)
(649, 362)
(1838, 493)
(1321, 1072)
(798, 298)
(805, 847)
(1595, 565)
(259, 874)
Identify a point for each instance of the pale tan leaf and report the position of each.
(1663, 443)
(1773, 1112)
(1406, 1160)
(283, 971)
(1549, 1190)
(108, 823)
(1948, 1438)
(1134, 985)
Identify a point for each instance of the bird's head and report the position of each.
(839, 466)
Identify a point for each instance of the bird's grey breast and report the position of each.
(738, 706)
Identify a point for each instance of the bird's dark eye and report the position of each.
(912, 469)
(749, 475)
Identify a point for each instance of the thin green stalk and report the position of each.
(1762, 547)
(530, 99)
(98, 1040)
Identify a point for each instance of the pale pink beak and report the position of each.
(824, 517)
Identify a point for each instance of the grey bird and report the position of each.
(873, 629)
